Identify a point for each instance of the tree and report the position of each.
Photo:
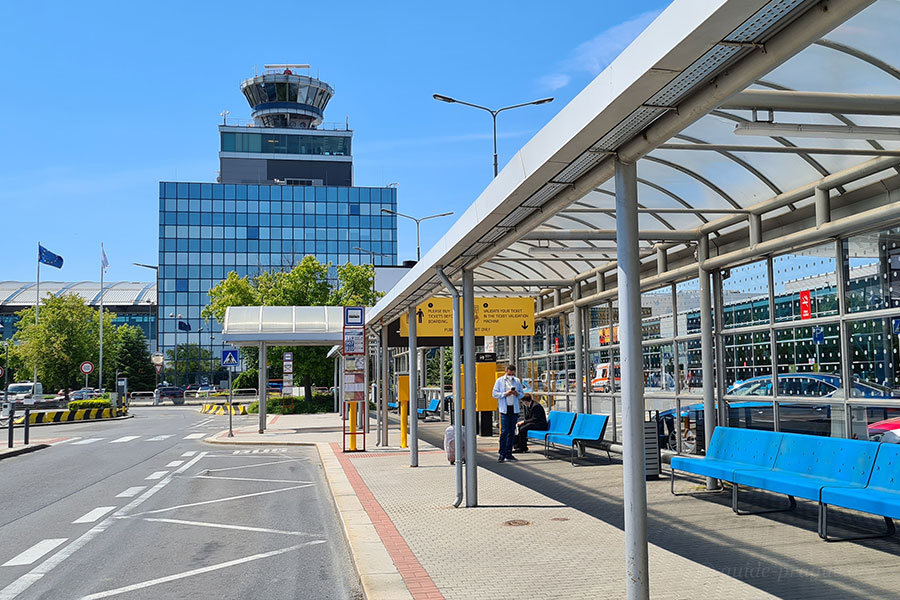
(306, 284)
(67, 334)
(132, 358)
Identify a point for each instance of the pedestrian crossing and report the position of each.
(125, 439)
(262, 451)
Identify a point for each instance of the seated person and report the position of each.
(533, 417)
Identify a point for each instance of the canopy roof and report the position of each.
(284, 325)
(116, 293)
(718, 99)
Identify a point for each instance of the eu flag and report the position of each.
(182, 326)
(48, 258)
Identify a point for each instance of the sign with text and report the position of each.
(493, 316)
(805, 305)
(354, 340)
(354, 316)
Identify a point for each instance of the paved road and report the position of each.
(142, 508)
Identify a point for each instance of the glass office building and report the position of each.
(285, 190)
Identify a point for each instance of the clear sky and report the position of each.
(104, 99)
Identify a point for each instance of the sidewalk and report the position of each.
(545, 529)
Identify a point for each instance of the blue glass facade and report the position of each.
(207, 230)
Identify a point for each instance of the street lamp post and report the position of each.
(418, 222)
(494, 113)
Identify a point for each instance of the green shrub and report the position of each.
(85, 404)
(321, 403)
(247, 379)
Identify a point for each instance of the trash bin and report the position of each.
(652, 457)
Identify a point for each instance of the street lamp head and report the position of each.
(543, 101)
(388, 211)
(442, 98)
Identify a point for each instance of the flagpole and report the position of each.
(37, 304)
(100, 369)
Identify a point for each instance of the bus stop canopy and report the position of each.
(284, 325)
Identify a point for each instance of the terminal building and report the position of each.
(285, 190)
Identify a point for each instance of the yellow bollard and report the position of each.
(404, 417)
(352, 426)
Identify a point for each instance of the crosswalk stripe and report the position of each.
(93, 515)
(194, 436)
(132, 492)
(87, 441)
(34, 553)
(156, 475)
(189, 454)
(174, 463)
(159, 438)
(126, 438)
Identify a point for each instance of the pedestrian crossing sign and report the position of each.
(229, 358)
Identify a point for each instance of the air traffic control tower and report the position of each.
(287, 142)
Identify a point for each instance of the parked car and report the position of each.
(172, 392)
(82, 394)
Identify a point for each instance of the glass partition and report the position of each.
(745, 295)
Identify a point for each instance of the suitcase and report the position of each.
(450, 443)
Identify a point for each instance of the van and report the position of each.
(27, 393)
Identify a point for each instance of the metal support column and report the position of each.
(441, 382)
(588, 366)
(706, 350)
(413, 391)
(578, 328)
(718, 327)
(385, 385)
(379, 414)
(637, 581)
(468, 282)
(263, 383)
(457, 388)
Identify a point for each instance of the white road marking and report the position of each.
(250, 479)
(200, 571)
(156, 475)
(194, 436)
(189, 454)
(174, 463)
(254, 494)
(201, 423)
(131, 492)
(34, 553)
(223, 526)
(159, 438)
(71, 439)
(126, 438)
(87, 441)
(34, 575)
(262, 464)
(94, 514)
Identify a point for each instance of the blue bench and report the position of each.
(881, 496)
(729, 450)
(559, 422)
(432, 409)
(587, 430)
(803, 466)
(393, 406)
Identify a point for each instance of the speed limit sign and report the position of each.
(1, 371)
(86, 368)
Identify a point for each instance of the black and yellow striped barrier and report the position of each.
(68, 416)
(222, 409)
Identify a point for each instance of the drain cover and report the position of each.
(517, 523)
(560, 519)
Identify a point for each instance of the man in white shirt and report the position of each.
(508, 390)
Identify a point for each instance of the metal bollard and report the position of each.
(27, 411)
(12, 417)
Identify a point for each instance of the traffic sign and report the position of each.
(287, 366)
(493, 316)
(86, 368)
(229, 358)
(1, 371)
(896, 325)
(818, 335)
(157, 358)
(354, 316)
(158, 369)
(287, 357)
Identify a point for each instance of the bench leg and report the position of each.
(718, 490)
(889, 528)
(792, 504)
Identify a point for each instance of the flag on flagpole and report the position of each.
(104, 262)
(49, 258)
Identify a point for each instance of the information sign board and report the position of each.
(493, 316)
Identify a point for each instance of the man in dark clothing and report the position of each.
(533, 418)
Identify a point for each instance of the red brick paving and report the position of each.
(414, 575)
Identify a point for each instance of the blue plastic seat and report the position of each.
(558, 422)
(587, 429)
(730, 449)
(433, 407)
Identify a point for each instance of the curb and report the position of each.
(378, 575)
(22, 450)
(123, 417)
